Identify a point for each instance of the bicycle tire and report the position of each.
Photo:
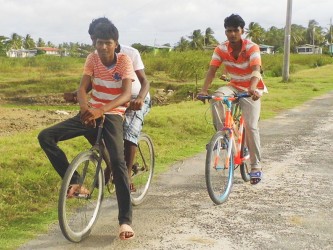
(219, 178)
(143, 169)
(245, 167)
(78, 214)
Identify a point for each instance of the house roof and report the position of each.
(307, 46)
(48, 49)
(265, 46)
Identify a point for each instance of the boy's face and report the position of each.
(234, 34)
(105, 49)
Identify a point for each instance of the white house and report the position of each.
(308, 49)
(21, 52)
(50, 51)
(266, 49)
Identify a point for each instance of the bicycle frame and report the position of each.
(235, 132)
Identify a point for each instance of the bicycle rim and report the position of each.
(78, 214)
(219, 176)
(143, 169)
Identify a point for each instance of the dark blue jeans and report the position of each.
(113, 137)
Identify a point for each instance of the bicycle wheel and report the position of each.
(77, 214)
(245, 167)
(143, 169)
(219, 176)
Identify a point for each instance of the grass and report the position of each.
(30, 186)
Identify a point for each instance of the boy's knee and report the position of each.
(43, 136)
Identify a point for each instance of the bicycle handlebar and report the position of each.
(218, 98)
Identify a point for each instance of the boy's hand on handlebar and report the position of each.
(255, 94)
(202, 93)
(224, 78)
(89, 116)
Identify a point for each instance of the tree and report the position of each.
(255, 32)
(329, 34)
(3, 49)
(40, 43)
(315, 34)
(209, 39)
(182, 45)
(275, 37)
(28, 42)
(298, 36)
(15, 42)
(197, 40)
(49, 44)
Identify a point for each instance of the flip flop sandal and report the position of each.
(132, 188)
(75, 190)
(256, 177)
(126, 229)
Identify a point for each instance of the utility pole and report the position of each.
(331, 45)
(287, 32)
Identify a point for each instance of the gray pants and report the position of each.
(251, 113)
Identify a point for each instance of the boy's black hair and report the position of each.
(106, 31)
(94, 23)
(234, 21)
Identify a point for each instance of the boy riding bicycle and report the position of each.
(242, 61)
(110, 77)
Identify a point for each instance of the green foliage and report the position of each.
(179, 66)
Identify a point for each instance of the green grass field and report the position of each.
(29, 185)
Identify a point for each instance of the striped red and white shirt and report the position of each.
(239, 70)
(107, 82)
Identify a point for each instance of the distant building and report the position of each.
(266, 49)
(21, 52)
(158, 48)
(308, 49)
(49, 50)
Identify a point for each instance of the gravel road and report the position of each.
(292, 208)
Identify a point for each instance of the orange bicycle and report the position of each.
(227, 150)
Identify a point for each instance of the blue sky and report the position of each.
(149, 22)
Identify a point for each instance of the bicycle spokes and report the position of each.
(219, 168)
(142, 169)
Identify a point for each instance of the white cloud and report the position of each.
(148, 21)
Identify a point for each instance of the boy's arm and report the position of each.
(255, 78)
(94, 113)
(85, 85)
(137, 103)
(208, 80)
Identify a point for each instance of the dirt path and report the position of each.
(291, 209)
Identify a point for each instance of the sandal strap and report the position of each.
(258, 174)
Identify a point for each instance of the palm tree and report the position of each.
(183, 44)
(40, 43)
(275, 37)
(310, 33)
(209, 39)
(49, 44)
(298, 36)
(255, 32)
(197, 40)
(15, 41)
(28, 42)
(329, 34)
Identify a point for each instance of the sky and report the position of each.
(149, 22)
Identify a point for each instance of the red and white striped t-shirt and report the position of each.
(107, 82)
(239, 70)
